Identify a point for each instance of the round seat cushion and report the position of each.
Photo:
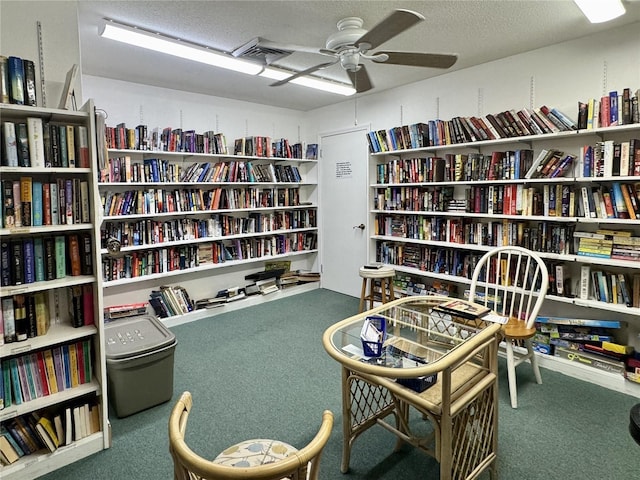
(382, 272)
(252, 453)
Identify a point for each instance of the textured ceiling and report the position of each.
(477, 31)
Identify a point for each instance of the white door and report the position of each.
(343, 201)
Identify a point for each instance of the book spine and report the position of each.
(36, 141)
(16, 80)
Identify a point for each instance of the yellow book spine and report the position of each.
(73, 365)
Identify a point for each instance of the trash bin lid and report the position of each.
(135, 336)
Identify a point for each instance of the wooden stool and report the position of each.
(370, 275)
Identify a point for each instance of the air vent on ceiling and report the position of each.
(254, 51)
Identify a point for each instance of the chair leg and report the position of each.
(534, 360)
(511, 371)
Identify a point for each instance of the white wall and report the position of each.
(136, 104)
(60, 41)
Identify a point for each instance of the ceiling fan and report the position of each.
(351, 44)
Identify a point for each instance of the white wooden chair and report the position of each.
(513, 281)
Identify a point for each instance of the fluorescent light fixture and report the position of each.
(176, 47)
(179, 48)
(311, 82)
(598, 11)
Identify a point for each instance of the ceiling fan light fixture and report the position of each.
(599, 11)
(171, 46)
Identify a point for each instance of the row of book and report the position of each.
(609, 110)
(36, 259)
(18, 81)
(449, 261)
(498, 165)
(23, 316)
(611, 159)
(169, 301)
(427, 199)
(507, 124)
(47, 430)
(619, 200)
(606, 159)
(28, 201)
(28, 315)
(267, 147)
(165, 139)
(591, 342)
(45, 372)
(123, 170)
(257, 247)
(150, 232)
(158, 200)
(405, 284)
(39, 144)
(541, 237)
(164, 260)
(615, 288)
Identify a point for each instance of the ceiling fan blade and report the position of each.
(394, 24)
(303, 73)
(360, 79)
(433, 60)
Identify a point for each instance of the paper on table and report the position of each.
(354, 350)
(495, 318)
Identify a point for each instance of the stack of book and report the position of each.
(117, 312)
(589, 342)
(593, 244)
(170, 301)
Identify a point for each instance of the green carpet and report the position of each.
(262, 372)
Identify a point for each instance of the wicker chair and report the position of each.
(276, 460)
(513, 281)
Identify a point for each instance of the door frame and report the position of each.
(364, 128)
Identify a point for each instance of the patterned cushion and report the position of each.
(252, 453)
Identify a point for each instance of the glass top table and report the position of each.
(442, 365)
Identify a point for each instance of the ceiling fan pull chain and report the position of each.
(355, 110)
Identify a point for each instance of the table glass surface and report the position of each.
(416, 334)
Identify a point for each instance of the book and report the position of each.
(82, 146)
(70, 138)
(8, 316)
(10, 148)
(582, 322)
(36, 141)
(67, 99)
(463, 309)
(29, 87)
(4, 79)
(46, 431)
(16, 80)
(9, 448)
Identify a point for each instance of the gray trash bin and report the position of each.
(139, 353)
